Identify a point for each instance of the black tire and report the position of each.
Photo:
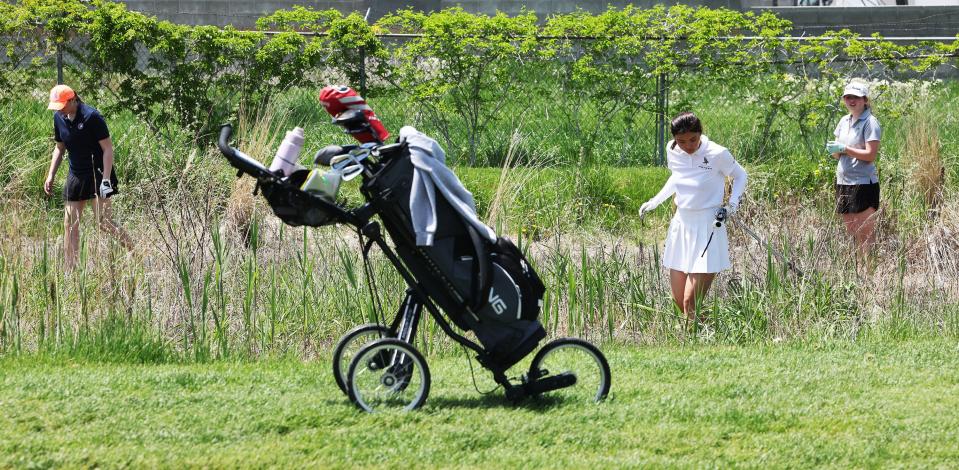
(349, 344)
(388, 374)
(580, 358)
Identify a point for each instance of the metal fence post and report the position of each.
(59, 64)
(662, 104)
(363, 70)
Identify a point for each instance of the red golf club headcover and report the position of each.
(338, 98)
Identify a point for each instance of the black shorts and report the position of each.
(83, 188)
(855, 198)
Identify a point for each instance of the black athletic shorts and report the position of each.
(855, 198)
(82, 188)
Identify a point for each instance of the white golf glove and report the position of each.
(106, 188)
(647, 207)
(835, 147)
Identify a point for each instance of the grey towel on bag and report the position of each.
(431, 175)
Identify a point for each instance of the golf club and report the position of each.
(776, 253)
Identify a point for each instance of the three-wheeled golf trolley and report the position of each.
(482, 287)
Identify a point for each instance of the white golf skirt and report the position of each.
(686, 243)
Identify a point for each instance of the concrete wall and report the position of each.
(887, 20)
(240, 13)
(546, 7)
(243, 13)
(903, 21)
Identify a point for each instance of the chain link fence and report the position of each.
(532, 118)
(536, 118)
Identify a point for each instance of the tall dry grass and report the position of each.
(216, 275)
(927, 169)
(512, 181)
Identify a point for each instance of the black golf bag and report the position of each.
(487, 288)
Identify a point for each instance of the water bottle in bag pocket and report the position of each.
(285, 161)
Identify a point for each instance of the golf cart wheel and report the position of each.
(348, 345)
(580, 359)
(388, 374)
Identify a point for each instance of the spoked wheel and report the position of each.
(388, 374)
(570, 369)
(350, 344)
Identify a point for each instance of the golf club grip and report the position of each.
(323, 160)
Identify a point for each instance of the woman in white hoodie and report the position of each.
(696, 250)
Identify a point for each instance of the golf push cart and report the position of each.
(485, 288)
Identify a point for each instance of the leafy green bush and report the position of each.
(182, 81)
(583, 85)
(461, 65)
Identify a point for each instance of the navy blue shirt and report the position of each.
(82, 136)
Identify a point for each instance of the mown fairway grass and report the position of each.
(842, 405)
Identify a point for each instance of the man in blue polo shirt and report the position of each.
(81, 131)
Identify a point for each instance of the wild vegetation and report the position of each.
(553, 133)
(216, 275)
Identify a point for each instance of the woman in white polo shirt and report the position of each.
(696, 250)
(857, 181)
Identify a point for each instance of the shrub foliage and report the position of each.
(457, 69)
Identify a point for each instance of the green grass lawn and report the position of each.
(796, 405)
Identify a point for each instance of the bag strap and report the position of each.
(482, 279)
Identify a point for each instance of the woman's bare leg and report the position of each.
(72, 210)
(697, 285)
(677, 283)
(862, 227)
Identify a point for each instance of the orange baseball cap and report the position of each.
(59, 95)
